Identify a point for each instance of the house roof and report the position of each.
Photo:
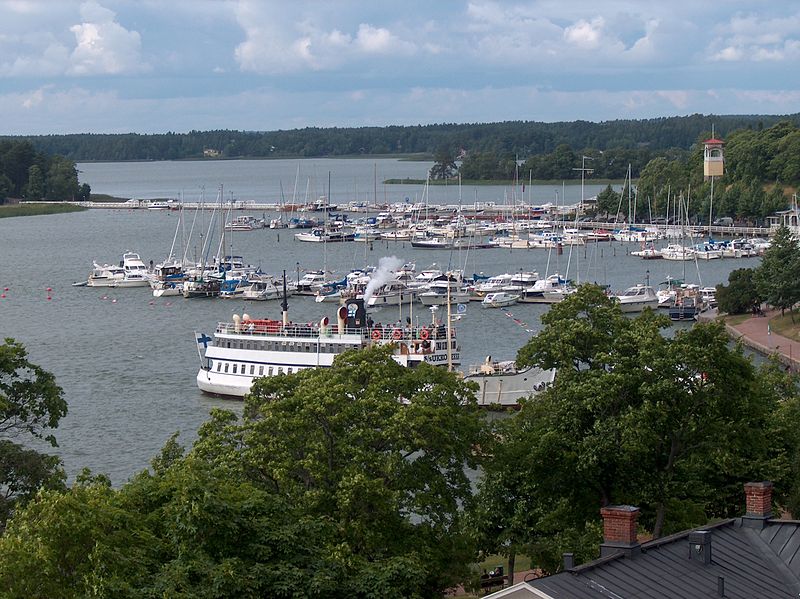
(753, 561)
(713, 140)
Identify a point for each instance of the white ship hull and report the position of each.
(247, 349)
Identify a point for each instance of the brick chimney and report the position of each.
(758, 496)
(619, 530)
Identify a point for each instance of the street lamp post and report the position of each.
(583, 171)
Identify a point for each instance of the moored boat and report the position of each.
(637, 298)
(499, 299)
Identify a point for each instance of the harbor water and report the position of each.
(127, 361)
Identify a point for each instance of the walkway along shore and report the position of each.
(756, 334)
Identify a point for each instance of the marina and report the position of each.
(128, 361)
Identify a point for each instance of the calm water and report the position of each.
(272, 181)
(127, 362)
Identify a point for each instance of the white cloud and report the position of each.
(749, 37)
(33, 99)
(282, 39)
(104, 47)
(585, 34)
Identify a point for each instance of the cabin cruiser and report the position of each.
(637, 298)
(310, 283)
(443, 288)
(499, 299)
(549, 290)
(393, 293)
(131, 272)
(105, 275)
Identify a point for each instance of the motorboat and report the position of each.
(393, 293)
(244, 223)
(311, 282)
(105, 275)
(134, 272)
(262, 289)
(648, 253)
(545, 291)
(499, 299)
(442, 288)
(637, 298)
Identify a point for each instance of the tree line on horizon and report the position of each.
(520, 139)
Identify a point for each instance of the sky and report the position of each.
(153, 66)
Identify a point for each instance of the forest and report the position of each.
(516, 138)
(32, 174)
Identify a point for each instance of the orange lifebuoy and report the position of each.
(424, 334)
(376, 334)
(397, 334)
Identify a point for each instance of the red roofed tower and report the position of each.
(713, 158)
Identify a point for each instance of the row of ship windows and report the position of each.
(325, 348)
(234, 368)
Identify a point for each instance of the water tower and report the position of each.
(713, 158)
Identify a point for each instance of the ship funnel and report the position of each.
(237, 323)
(342, 318)
(356, 314)
(323, 325)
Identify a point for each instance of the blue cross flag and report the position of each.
(203, 341)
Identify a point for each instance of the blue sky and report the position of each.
(147, 66)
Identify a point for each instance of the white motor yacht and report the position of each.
(134, 273)
(105, 275)
(637, 298)
(499, 299)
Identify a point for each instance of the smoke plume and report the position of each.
(387, 267)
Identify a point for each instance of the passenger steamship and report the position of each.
(248, 348)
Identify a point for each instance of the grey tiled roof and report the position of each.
(753, 562)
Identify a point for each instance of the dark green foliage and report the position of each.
(619, 140)
(328, 486)
(444, 165)
(26, 173)
(674, 425)
(741, 294)
(31, 404)
(778, 276)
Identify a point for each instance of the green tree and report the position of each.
(741, 295)
(6, 187)
(348, 481)
(444, 164)
(608, 201)
(35, 188)
(31, 404)
(377, 449)
(84, 193)
(62, 179)
(778, 275)
(671, 424)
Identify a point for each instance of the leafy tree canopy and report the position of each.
(347, 481)
(777, 278)
(673, 424)
(31, 405)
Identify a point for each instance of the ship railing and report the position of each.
(313, 330)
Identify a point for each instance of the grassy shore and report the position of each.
(783, 326)
(37, 209)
